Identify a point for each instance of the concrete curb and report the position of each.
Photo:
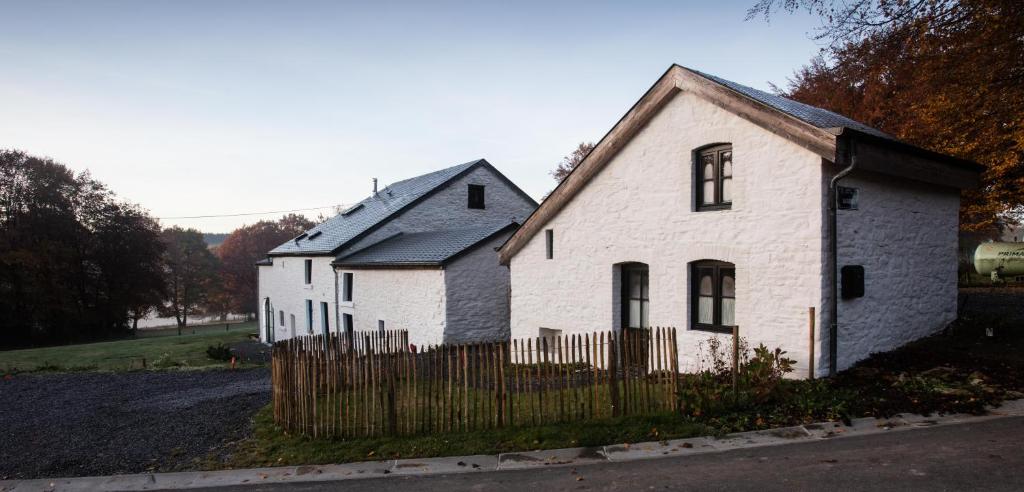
(507, 461)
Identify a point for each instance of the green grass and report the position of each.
(270, 445)
(160, 352)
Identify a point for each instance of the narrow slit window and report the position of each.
(325, 325)
(380, 326)
(308, 271)
(309, 316)
(346, 320)
(549, 243)
(346, 294)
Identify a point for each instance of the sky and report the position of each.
(195, 108)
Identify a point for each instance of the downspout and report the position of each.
(833, 329)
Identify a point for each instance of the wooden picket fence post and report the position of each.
(374, 383)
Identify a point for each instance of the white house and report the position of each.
(419, 255)
(707, 206)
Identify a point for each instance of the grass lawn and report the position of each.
(160, 352)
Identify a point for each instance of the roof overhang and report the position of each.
(820, 141)
(903, 160)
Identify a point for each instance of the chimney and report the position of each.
(374, 186)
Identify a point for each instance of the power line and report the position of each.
(247, 213)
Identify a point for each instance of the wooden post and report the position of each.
(735, 362)
(613, 383)
(810, 349)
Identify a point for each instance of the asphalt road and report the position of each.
(987, 455)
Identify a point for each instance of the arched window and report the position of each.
(713, 296)
(713, 184)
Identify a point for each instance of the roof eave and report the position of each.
(675, 79)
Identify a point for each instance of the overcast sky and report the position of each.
(204, 108)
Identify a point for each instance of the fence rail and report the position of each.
(372, 384)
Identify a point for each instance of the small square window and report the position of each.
(476, 196)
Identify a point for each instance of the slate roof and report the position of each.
(815, 116)
(421, 248)
(363, 216)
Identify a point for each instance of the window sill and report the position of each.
(713, 208)
(712, 329)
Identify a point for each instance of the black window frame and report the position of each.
(347, 323)
(309, 316)
(549, 243)
(715, 152)
(625, 296)
(476, 194)
(308, 271)
(380, 326)
(325, 321)
(346, 286)
(281, 312)
(718, 268)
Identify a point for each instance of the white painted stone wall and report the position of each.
(405, 299)
(640, 208)
(905, 235)
(447, 209)
(284, 283)
(476, 288)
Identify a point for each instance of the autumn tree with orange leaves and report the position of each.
(941, 74)
(243, 248)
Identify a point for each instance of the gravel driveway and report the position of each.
(106, 423)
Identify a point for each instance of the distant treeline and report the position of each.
(215, 238)
(78, 264)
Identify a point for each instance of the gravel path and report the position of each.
(106, 423)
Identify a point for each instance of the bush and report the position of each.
(710, 391)
(219, 352)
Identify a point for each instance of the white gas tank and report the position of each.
(999, 259)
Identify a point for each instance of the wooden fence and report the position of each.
(372, 384)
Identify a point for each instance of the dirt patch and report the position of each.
(110, 423)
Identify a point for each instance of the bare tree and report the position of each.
(572, 160)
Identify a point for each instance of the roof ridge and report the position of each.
(379, 208)
(766, 98)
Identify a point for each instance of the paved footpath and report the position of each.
(903, 453)
(987, 455)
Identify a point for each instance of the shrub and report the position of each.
(219, 352)
(710, 391)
